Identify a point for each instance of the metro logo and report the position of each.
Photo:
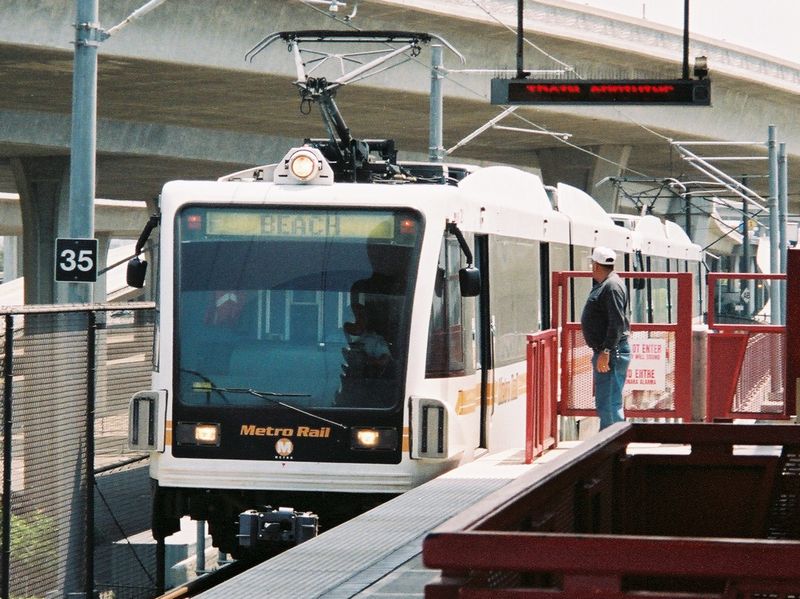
(284, 447)
(251, 430)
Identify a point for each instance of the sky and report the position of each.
(768, 26)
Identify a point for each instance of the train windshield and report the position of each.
(309, 307)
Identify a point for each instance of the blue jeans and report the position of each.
(608, 385)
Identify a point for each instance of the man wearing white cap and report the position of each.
(606, 329)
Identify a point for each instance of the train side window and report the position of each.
(448, 336)
(515, 289)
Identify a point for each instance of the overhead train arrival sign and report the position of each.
(682, 92)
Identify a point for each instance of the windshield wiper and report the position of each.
(271, 395)
(207, 386)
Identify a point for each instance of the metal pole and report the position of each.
(745, 261)
(435, 147)
(745, 264)
(774, 234)
(84, 129)
(91, 378)
(200, 548)
(783, 210)
(520, 36)
(161, 565)
(685, 39)
(8, 386)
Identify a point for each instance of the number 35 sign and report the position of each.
(76, 260)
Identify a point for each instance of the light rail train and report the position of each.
(340, 327)
(326, 344)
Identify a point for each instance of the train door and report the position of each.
(453, 342)
(484, 339)
(511, 310)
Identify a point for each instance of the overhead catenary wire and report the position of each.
(559, 137)
(556, 135)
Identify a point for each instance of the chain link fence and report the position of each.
(72, 496)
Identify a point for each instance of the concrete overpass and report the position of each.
(177, 100)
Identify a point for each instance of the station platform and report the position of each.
(379, 553)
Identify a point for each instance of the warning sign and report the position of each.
(647, 370)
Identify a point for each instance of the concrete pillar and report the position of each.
(43, 187)
(699, 372)
(12, 258)
(565, 165)
(585, 169)
(100, 288)
(612, 162)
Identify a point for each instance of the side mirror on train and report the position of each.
(469, 279)
(134, 276)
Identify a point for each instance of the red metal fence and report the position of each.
(703, 511)
(746, 359)
(674, 398)
(541, 430)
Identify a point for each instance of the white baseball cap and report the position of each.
(604, 255)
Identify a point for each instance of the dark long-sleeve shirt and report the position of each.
(604, 320)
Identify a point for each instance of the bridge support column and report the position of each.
(565, 165)
(12, 258)
(100, 288)
(583, 170)
(43, 187)
(612, 161)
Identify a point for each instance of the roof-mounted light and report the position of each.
(303, 166)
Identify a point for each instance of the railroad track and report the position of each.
(210, 580)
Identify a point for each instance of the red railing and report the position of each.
(541, 419)
(674, 399)
(640, 510)
(746, 361)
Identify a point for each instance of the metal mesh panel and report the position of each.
(5, 370)
(48, 520)
(125, 559)
(50, 391)
(124, 567)
(784, 513)
(579, 363)
(760, 387)
(580, 398)
(124, 365)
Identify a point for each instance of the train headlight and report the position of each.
(206, 434)
(303, 166)
(198, 433)
(373, 438)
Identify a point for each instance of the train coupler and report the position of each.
(282, 525)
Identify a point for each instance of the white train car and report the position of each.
(325, 345)
(590, 226)
(662, 246)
